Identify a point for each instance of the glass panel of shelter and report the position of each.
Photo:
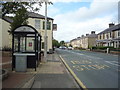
(15, 44)
(24, 44)
(30, 46)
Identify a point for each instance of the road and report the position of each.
(94, 69)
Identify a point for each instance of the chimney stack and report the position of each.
(92, 32)
(111, 25)
(87, 34)
(82, 36)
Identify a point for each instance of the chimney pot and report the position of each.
(111, 25)
(92, 32)
(82, 36)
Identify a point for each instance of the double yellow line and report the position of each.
(74, 75)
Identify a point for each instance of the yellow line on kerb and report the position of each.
(76, 78)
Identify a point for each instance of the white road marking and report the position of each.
(75, 53)
(112, 62)
(115, 55)
(92, 57)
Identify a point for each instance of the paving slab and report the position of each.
(53, 81)
(53, 74)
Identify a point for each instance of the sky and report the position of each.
(79, 17)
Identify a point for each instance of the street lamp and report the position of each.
(45, 35)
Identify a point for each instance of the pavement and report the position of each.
(49, 74)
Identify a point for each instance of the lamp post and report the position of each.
(45, 37)
(45, 34)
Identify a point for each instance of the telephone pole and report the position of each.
(45, 35)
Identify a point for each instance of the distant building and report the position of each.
(85, 41)
(67, 44)
(110, 36)
(74, 43)
(89, 40)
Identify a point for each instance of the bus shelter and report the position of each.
(26, 48)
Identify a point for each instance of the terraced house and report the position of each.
(35, 20)
(110, 36)
(75, 43)
(89, 40)
(85, 41)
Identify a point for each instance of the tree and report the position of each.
(62, 43)
(13, 7)
(19, 19)
(19, 10)
(70, 45)
(55, 43)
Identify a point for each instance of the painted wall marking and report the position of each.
(88, 65)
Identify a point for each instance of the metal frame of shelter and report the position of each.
(25, 33)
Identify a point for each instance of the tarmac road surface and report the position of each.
(94, 69)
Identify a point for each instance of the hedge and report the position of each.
(102, 47)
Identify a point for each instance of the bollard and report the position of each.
(107, 50)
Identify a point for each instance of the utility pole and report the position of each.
(45, 32)
(45, 36)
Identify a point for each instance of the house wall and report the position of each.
(6, 38)
(85, 43)
(98, 37)
(75, 43)
(67, 44)
(92, 42)
(42, 32)
(78, 42)
(0, 33)
(102, 36)
(114, 35)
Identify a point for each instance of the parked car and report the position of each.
(70, 48)
(62, 47)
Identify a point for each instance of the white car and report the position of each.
(62, 47)
(70, 48)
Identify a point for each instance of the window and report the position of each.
(16, 44)
(103, 36)
(37, 24)
(100, 36)
(42, 45)
(119, 44)
(22, 44)
(110, 34)
(116, 44)
(113, 34)
(118, 33)
(48, 25)
(107, 35)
